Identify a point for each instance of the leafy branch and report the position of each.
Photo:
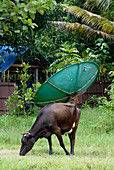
(67, 55)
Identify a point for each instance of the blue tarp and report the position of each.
(9, 56)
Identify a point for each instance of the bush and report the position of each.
(106, 118)
(22, 101)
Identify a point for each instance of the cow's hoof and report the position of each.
(50, 153)
(72, 154)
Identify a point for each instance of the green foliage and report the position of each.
(105, 119)
(86, 105)
(92, 22)
(100, 54)
(103, 7)
(67, 56)
(20, 99)
(49, 41)
(97, 101)
(17, 19)
(102, 100)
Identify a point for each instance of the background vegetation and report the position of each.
(49, 24)
(21, 102)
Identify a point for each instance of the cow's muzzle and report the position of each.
(21, 154)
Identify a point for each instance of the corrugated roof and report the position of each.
(9, 56)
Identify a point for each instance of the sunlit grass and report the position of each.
(93, 149)
(11, 160)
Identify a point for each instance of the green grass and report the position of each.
(93, 148)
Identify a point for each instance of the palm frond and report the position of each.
(93, 20)
(99, 4)
(85, 31)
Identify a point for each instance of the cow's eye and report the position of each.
(24, 143)
(24, 140)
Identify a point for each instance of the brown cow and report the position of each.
(56, 118)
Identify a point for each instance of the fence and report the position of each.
(6, 89)
(96, 89)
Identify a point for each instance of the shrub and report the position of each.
(106, 118)
(22, 101)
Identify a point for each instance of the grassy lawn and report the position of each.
(93, 149)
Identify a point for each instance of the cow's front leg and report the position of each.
(50, 145)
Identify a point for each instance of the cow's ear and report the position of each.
(28, 135)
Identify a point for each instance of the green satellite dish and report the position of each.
(73, 80)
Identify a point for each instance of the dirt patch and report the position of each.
(8, 152)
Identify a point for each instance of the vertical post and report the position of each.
(8, 76)
(0, 77)
(4, 76)
(15, 78)
(36, 76)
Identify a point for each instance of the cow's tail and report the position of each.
(75, 101)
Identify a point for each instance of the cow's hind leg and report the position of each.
(72, 141)
(59, 136)
(72, 138)
(50, 145)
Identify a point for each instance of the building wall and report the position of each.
(6, 89)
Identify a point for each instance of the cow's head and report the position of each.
(27, 143)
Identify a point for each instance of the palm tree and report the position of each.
(90, 25)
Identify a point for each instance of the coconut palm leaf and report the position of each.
(99, 4)
(92, 20)
(84, 30)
